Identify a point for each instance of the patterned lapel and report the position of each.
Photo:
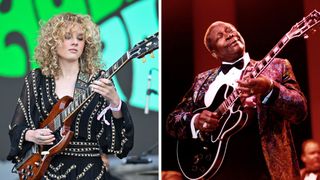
(202, 85)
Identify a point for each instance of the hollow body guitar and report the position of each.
(36, 160)
(201, 158)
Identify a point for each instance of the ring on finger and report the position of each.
(205, 125)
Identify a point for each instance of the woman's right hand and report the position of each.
(40, 136)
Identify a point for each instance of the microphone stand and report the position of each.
(142, 159)
(149, 91)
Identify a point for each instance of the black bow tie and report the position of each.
(226, 67)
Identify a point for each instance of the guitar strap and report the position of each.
(81, 84)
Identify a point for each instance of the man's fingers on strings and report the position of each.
(245, 92)
(205, 125)
(251, 91)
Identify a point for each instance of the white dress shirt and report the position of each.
(230, 79)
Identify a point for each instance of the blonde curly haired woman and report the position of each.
(68, 54)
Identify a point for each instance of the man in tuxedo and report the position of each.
(310, 156)
(263, 148)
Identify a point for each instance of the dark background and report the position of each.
(261, 23)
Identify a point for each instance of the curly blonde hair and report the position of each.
(52, 34)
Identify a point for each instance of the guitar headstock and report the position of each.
(303, 27)
(144, 47)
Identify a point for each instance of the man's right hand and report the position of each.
(207, 121)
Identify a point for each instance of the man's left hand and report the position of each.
(259, 86)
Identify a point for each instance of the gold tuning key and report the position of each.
(144, 59)
(151, 55)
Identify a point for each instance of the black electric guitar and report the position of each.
(201, 158)
(37, 159)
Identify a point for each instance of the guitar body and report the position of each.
(38, 159)
(201, 158)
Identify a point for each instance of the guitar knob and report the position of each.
(194, 168)
(37, 163)
(305, 36)
(208, 157)
(200, 156)
(196, 159)
(202, 169)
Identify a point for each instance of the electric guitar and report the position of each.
(37, 159)
(201, 158)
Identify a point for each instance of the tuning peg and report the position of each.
(144, 59)
(305, 36)
(151, 55)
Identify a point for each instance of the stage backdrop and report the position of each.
(123, 23)
(262, 24)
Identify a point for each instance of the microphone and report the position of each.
(146, 107)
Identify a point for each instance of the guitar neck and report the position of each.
(77, 103)
(262, 64)
(257, 70)
(139, 50)
(117, 66)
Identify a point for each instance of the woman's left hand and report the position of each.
(106, 88)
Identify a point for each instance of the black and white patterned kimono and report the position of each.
(81, 158)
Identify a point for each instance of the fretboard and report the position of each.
(139, 50)
(257, 70)
(88, 94)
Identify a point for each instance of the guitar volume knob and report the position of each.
(194, 168)
(37, 163)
